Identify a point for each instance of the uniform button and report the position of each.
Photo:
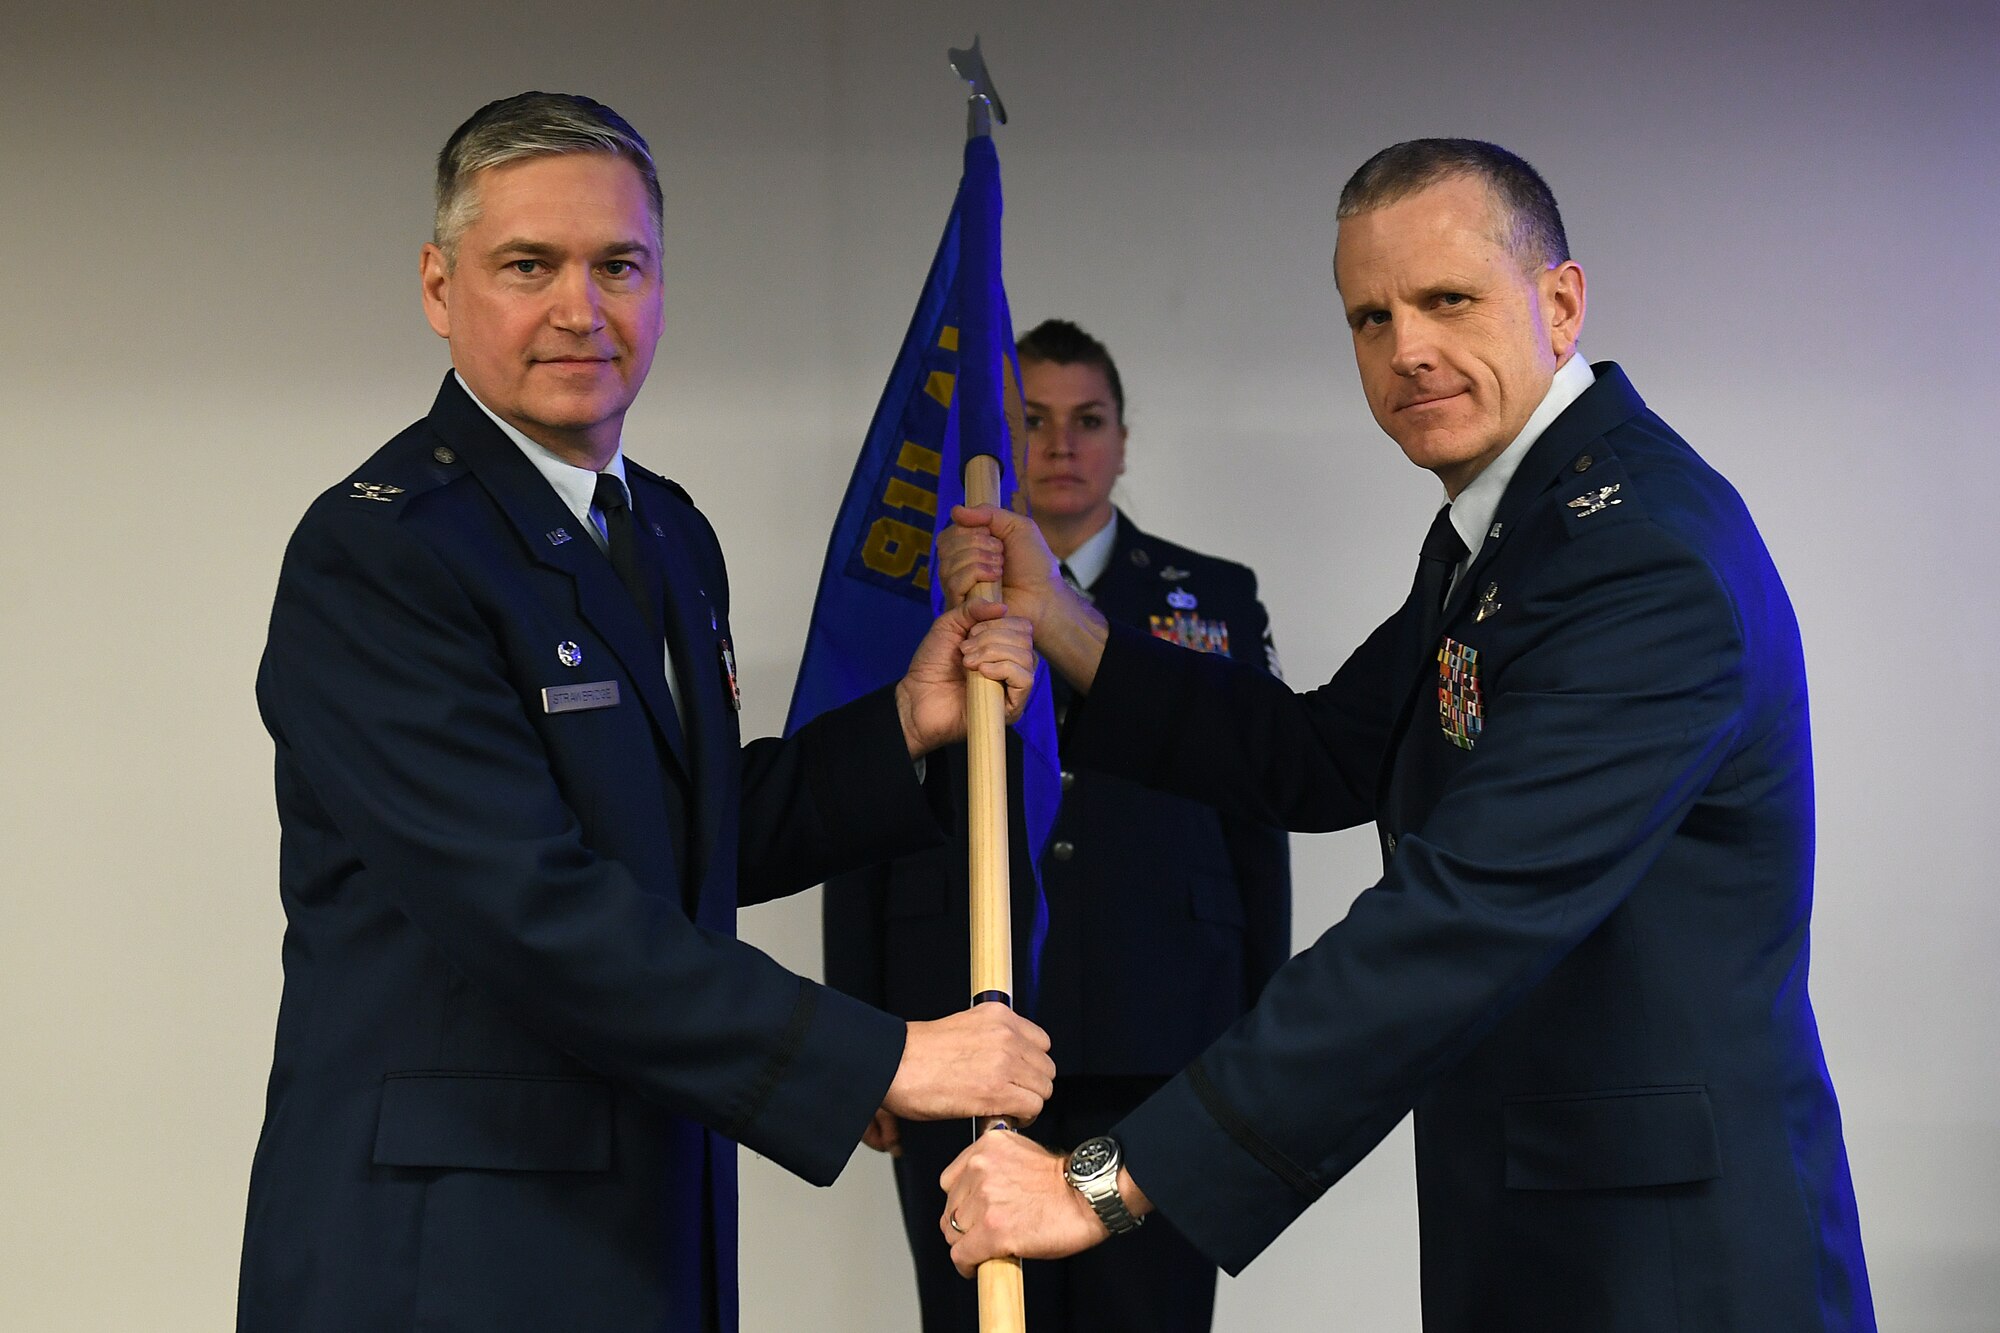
(1063, 850)
(444, 455)
(1582, 464)
(1068, 779)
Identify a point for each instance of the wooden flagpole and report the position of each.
(1001, 1307)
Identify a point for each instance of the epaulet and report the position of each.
(667, 482)
(1595, 491)
(414, 462)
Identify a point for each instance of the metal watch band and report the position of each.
(1101, 1193)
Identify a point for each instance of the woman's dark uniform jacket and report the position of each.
(516, 1026)
(1585, 964)
(1165, 917)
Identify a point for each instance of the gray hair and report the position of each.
(531, 124)
(1534, 226)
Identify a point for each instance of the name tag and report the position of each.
(577, 698)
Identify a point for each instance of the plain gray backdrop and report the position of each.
(211, 216)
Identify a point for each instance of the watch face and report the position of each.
(1090, 1158)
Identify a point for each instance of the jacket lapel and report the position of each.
(1608, 403)
(1605, 404)
(551, 535)
(694, 636)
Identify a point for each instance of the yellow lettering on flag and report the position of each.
(900, 494)
(892, 548)
(916, 458)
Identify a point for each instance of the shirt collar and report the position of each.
(576, 485)
(1472, 513)
(1088, 561)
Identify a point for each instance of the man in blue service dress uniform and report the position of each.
(1166, 917)
(1584, 742)
(518, 1033)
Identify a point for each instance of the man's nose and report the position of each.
(576, 307)
(1415, 351)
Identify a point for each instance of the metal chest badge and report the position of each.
(1461, 710)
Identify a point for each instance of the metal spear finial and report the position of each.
(983, 103)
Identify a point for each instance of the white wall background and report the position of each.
(209, 223)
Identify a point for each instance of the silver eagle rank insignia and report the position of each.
(1591, 501)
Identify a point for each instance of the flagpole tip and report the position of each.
(983, 104)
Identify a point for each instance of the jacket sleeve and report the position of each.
(1601, 734)
(1242, 740)
(391, 695)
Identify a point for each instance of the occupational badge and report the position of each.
(1192, 631)
(374, 490)
(1591, 501)
(1461, 711)
(1173, 573)
(1489, 603)
(569, 654)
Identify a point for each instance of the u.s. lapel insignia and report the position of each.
(1173, 573)
(1591, 501)
(1461, 711)
(569, 654)
(729, 674)
(374, 490)
(1489, 603)
(557, 536)
(1180, 599)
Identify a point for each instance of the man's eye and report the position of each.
(620, 268)
(1090, 421)
(1033, 420)
(1372, 319)
(525, 267)
(1453, 298)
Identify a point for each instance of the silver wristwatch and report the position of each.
(1092, 1170)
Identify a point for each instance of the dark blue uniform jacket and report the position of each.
(1585, 964)
(517, 1033)
(1165, 917)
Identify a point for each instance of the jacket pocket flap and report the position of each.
(1618, 1139)
(494, 1122)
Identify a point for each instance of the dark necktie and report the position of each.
(1442, 551)
(610, 498)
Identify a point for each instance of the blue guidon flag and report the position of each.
(954, 386)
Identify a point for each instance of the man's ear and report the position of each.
(1562, 305)
(435, 276)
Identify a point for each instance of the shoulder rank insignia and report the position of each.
(1180, 599)
(1489, 603)
(1591, 501)
(1191, 631)
(1461, 711)
(374, 490)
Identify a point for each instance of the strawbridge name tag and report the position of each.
(577, 698)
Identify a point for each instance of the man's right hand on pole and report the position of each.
(984, 544)
(987, 1060)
